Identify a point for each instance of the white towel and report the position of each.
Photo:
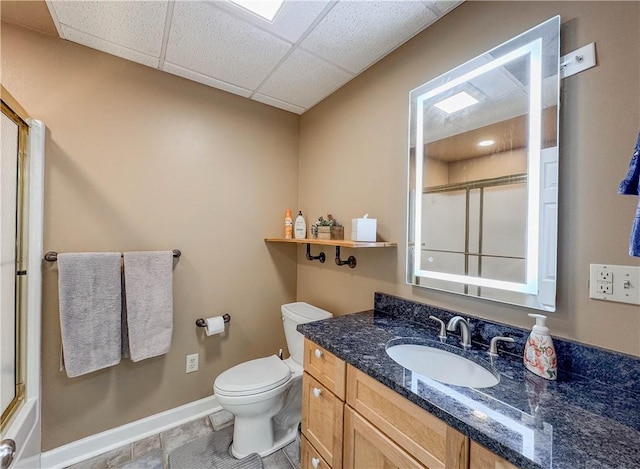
(90, 307)
(149, 302)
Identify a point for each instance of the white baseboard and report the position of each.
(99, 443)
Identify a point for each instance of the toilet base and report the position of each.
(276, 440)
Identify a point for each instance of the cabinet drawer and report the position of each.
(427, 438)
(325, 367)
(367, 447)
(309, 457)
(322, 414)
(482, 458)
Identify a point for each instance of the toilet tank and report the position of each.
(299, 313)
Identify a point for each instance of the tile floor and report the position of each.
(153, 452)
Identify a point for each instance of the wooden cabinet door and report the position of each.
(367, 447)
(427, 438)
(322, 415)
(482, 458)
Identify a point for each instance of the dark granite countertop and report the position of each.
(571, 423)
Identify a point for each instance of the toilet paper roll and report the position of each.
(215, 325)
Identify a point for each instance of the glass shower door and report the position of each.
(21, 193)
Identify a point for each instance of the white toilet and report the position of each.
(264, 394)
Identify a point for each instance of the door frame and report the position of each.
(24, 426)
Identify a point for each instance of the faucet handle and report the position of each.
(493, 346)
(443, 327)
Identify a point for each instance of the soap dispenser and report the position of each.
(539, 353)
(300, 227)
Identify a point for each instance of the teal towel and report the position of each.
(631, 185)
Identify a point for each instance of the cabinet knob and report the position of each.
(317, 392)
(318, 353)
(315, 462)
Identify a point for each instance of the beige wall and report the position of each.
(137, 159)
(353, 149)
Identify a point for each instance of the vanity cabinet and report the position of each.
(482, 458)
(351, 420)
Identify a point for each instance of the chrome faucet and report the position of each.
(442, 335)
(464, 330)
(493, 346)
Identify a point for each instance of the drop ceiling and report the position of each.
(311, 48)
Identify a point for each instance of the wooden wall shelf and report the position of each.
(338, 243)
(334, 242)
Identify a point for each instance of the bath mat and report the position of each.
(211, 452)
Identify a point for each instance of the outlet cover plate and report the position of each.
(620, 283)
(192, 363)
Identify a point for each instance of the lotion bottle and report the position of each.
(300, 228)
(288, 225)
(539, 353)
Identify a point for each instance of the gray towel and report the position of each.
(90, 308)
(149, 302)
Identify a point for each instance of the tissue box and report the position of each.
(363, 229)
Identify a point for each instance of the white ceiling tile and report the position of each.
(205, 80)
(355, 34)
(291, 22)
(206, 40)
(303, 80)
(138, 26)
(108, 47)
(277, 103)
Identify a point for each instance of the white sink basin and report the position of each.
(442, 366)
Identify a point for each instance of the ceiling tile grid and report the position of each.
(311, 48)
(261, 98)
(291, 22)
(207, 40)
(205, 80)
(356, 34)
(136, 25)
(109, 47)
(304, 80)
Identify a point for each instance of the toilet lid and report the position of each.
(253, 377)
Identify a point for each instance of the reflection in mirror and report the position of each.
(483, 174)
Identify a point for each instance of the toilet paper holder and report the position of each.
(202, 323)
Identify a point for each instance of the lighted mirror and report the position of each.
(483, 174)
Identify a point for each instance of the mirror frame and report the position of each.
(540, 260)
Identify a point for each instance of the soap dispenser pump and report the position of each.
(539, 353)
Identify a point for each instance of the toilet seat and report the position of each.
(253, 377)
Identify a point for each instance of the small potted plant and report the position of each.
(327, 229)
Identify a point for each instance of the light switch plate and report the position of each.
(620, 283)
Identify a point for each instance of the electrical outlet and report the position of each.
(605, 288)
(192, 363)
(605, 276)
